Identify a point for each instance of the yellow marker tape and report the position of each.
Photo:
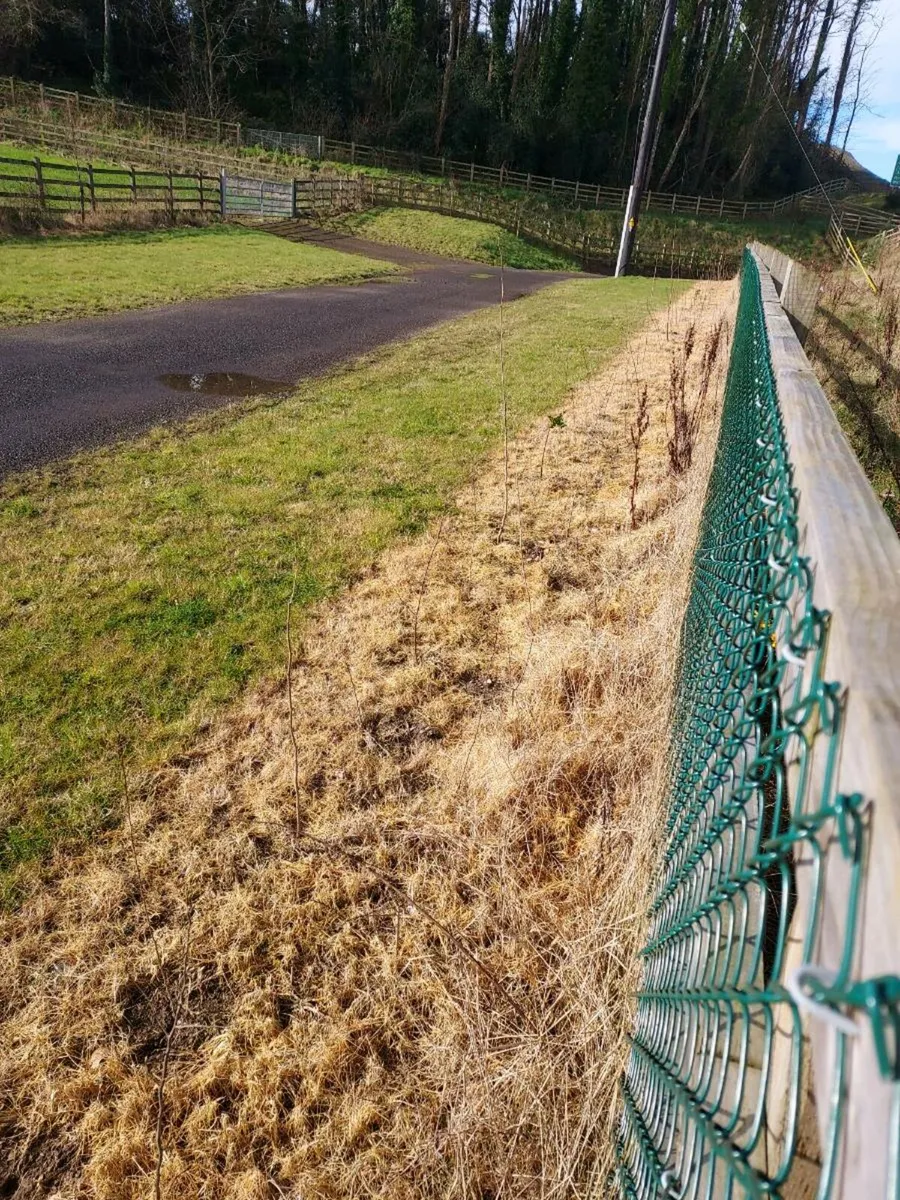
(859, 263)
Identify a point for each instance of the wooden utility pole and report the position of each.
(648, 134)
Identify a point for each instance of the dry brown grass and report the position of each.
(29, 218)
(855, 349)
(283, 1010)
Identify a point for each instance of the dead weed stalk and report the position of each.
(637, 429)
(685, 421)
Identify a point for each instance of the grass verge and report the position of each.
(854, 346)
(802, 238)
(54, 277)
(146, 584)
(453, 237)
(402, 963)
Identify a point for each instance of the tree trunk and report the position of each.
(107, 44)
(813, 76)
(856, 96)
(695, 105)
(846, 59)
(448, 78)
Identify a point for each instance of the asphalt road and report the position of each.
(71, 385)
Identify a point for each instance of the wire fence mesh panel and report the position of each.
(715, 1082)
(308, 145)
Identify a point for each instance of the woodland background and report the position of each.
(551, 86)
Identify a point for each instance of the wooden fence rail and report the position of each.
(550, 227)
(855, 556)
(54, 187)
(85, 143)
(74, 108)
(77, 106)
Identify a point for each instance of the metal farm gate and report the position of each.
(256, 197)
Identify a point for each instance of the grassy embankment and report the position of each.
(802, 238)
(453, 237)
(146, 584)
(855, 349)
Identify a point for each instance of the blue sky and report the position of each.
(875, 136)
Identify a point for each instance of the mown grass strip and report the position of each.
(453, 237)
(145, 585)
(51, 278)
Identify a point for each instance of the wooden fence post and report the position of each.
(238, 135)
(92, 191)
(577, 181)
(41, 90)
(133, 186)
(39, 179)
(12, 93)
(218, 131)
(184, 126)
(471, 172)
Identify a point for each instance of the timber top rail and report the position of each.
(855, 556)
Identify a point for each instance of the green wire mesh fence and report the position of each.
(713, 1088)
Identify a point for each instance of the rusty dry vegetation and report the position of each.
(398, 960)
(855, 349)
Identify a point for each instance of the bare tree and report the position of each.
(815, 67)
(858, 12)
(860, 91)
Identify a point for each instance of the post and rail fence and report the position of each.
(765, 1054)
(53, 187)
(74, 109)
(83, 188)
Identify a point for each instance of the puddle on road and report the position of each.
(225, 383)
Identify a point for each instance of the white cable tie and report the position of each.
(668, 1181)
(824, 1012)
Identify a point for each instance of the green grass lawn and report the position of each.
(145, 584)
(453, 237)
(802, 238)
(59, 276)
